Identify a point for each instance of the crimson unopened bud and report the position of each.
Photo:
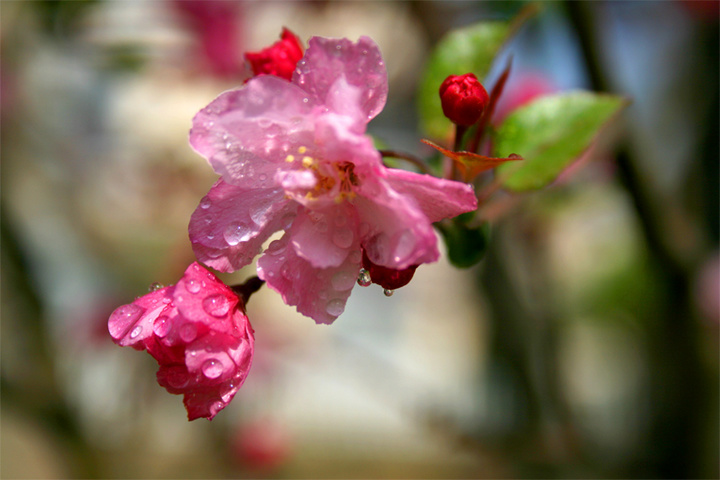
(388, 278)
(278, 59)
(463, 99)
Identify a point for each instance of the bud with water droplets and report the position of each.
(199, 334)
(388, 278)
(463, 99)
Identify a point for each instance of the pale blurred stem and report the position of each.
(408, 158)
(246, 289)
(37, 397)
(678, 404)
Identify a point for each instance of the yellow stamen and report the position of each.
(302, 150)
(290, 158)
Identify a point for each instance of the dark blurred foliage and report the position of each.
(599, 360)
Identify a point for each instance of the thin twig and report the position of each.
(408, 158)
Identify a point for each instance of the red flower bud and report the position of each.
(463, 99)
(279, 59)
(388, 278)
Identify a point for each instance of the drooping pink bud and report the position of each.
(278, 59)
(199, 334)
(463, 99)
(388, 278)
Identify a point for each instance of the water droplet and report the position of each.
(405, 245)
(377, 248)
(216, 305)
(192, 286)
(236, 233)
(388, 292)
(364, 279)
(177, 377)
(123, 318)
(306, 100)
(285, 271)
(335, 307)
(212, 368)
(136, 331)
(188, 332)
(259, 214)
(262, 177)
(275, 247)
(343, 238)
(155, 286)
(161, 326)
(342, 281)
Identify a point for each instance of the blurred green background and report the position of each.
(585, 345)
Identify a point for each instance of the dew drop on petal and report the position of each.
(188, 332)
(236, 233)
(192, 286)
(212, 368)
(364, 279)
(136, 331)
(335, 307)
(177, 377)
(388, 292)
(122, 318)
(216, 305)
(205, 203)
(161, 326)
(155, 286)
(275, 247)
(343, 238)
(342, 281)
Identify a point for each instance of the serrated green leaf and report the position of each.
(550, 133)
(469, 49)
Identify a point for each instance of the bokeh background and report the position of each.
(585, 344)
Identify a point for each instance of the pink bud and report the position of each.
(279, 59)
(463, 99)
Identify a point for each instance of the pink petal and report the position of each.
(201, 298)
(436, 197)
(246, 133)
(395, 232)
(328, 59)
(132, 324)
(319, 293)
(231, 223)
(325, 238)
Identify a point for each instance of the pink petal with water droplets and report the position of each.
(436, 197)
(231, 223)
(328, 59)
(246, 134)
(132, 324)
(198, 333)
(319, 293)
(398, 233)
(325, 238)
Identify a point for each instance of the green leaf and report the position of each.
(469, 49)
(466, 245)
(550, 133)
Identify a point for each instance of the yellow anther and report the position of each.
(302, 150)
(308, 161)
(290, 158)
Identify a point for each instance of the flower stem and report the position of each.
(408, 158)
(244, 290)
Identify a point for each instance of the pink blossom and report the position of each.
(198, 333)
(294, 156)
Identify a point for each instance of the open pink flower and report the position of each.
(198, 333)
(294, 156)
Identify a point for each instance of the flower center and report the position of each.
(337, 180)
